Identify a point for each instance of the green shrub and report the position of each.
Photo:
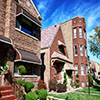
(61, 87)
(77, 85)
(31, 96)
(37, 91)
(21, 82)
(65, 79)
(91, 79)
(22, 70)
(52, 84)
(28, 86)
(77, 80)
(77, 75)
(73, 84)
(42, 94)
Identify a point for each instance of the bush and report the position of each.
(91, 80)
(77, 85)
(73, 84)
(77, 80)
(37, 91)
(61, 87)
(77, 75)
(42, 94)
(41, 85)
(65, 79)
(22, 70)
(28, 86)
(21, 82)
(52, 84)
(31, 96)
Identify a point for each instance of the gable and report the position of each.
(30, 7)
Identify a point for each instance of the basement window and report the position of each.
(27, 26)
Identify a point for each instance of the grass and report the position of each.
(76, 96)
(92, 90)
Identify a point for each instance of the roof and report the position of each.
(60, 56)
(48, 35)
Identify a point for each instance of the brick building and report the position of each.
(74, 33)
(20, 24)
(55, 59)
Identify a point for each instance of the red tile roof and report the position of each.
(48, 35)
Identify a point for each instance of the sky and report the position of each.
(58, 11)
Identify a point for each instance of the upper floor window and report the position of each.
(76, 69)
(61, 49)
(75, 50)
(81, 50)
(84, 34)
(82, 69)
(75, 33)
(27, 26)
(80, 32)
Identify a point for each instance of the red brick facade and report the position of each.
(76, 23)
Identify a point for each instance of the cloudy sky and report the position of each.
(58, 11)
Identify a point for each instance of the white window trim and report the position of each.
(82, 50)
(82, 70)
(75, 34)
(80, 32)
(77, 69)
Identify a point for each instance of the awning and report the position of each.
(5, 40)
(21, 11)
(26, 56)
(68, 66)
(61, 57)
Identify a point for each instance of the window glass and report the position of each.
(83, 85)
(80, 32)
(81, 50)
(82, 69)
(76, 69)
(75, 33)
(75, 50)
(61, 49)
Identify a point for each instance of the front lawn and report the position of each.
(92, 90)
(76, 96)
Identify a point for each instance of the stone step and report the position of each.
(3, 88)
(7, 92)
(9, 97)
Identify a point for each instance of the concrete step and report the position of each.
(7, 92)
(3, 88)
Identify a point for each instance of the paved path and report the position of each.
(86, 93)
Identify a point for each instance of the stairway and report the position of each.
(6, 93)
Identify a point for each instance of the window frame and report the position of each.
(81, 50)
(80, 32)
(82, 69)
(75, 50)
(75, 32)
(76, 69)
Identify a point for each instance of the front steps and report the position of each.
(6, 93)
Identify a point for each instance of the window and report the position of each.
(83, 85)
(86, 69)
(75, 33)
(85, 51)
(82, 69)
(81, 50)
(75, 50)
(84, 34)
(27, 26)
(80, 32)
(76, 69)
(61, 49)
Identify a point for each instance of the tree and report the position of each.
(94, 42)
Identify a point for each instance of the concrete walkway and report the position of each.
(87, 93)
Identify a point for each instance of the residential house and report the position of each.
(74, 33)
(55, 59)
(20, 30)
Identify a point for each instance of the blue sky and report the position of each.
(58, 11)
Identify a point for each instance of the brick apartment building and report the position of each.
(20, 24)
(55, 59)
(74, 33)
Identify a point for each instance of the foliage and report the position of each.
(61, 87)
(42, 94)
(65, 79)
(41, 85)
(37, 91)
(28, 86)
(94, 42)
(21, 82)
(73, 84)
(52, 84)
(31, 96)
(91, 79)
(77, 85)
(77, 75)
(22, 70)
(77, 80)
